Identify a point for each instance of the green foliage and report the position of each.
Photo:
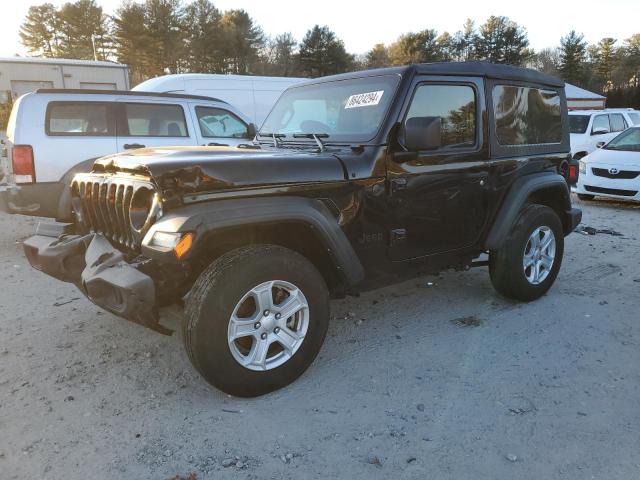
(155, 37)
(323, 53)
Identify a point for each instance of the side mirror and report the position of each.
(599, 131)
(600, 144)
(251, 131)
(422, 133)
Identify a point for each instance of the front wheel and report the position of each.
(255, 319)
(528, 263)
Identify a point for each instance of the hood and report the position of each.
(616, 158)
(197, 169)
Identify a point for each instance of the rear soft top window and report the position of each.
(526, 115)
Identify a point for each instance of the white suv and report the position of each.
(54, 134)
(592, 128)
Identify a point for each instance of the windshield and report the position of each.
(346, 110)
(628, 141)
(578, 123)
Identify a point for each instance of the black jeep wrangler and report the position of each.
(353, 181)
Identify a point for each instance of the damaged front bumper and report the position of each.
(98, 269)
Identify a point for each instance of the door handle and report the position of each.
(131, 146)
(214, 144)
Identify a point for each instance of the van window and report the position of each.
(578, 123)
(456, 107)
(79, 119)
(154, 120)
(216, 122)
(526, 115)
(618, 123)
(635, 118)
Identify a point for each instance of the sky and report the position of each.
(362, 24)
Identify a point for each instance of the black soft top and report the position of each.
(468, 69)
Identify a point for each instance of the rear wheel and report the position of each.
(586, 196)
(256, 319)
(528, 263)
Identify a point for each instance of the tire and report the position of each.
(586, 196)
(216, 296)
(507, 270)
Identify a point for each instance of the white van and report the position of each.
(54, 134)
(252, 95)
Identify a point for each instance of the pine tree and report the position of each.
(40, 29)
(81, 25)
(573, 58)
(204, 38)
(501, 40)
(323, 53)
(377, 57)
(242, 40)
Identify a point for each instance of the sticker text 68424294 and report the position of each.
(364, 99)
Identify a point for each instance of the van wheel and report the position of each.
(586, 197)
(528, 263)
(255, 319)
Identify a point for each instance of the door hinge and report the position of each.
(398, 236)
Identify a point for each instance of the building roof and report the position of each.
(62, 61)
(576, 93)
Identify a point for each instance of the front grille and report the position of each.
(611, 191)
(104, 204)
(621, 175)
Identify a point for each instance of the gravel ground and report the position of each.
(433, 378)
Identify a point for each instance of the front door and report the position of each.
(438, 200)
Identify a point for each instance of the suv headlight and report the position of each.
(582, 166)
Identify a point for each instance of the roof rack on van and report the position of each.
(127, 92)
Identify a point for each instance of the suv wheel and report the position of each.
(586, 196)
(256, 319)
(528, 263)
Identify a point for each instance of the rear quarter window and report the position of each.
(525, 116)
(88, 119)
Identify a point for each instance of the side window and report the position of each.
(526, 115)
(88, 119)
(635, 118)
(618, 122)
(456, 107)
(600, 124)
(154, 120)
(216, 122)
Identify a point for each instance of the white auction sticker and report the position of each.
(364, 99)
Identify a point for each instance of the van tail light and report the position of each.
(24, 170)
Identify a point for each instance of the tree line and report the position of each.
(156, 37)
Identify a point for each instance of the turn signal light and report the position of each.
(24, 170)
(573, 174)
(184, 245)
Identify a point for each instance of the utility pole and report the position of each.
(93, 42)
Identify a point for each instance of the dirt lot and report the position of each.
(434, 378)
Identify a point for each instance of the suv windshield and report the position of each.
(346, 110)
(578, 123)
(628, 141)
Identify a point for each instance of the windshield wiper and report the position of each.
(315, 136)
(275, 136)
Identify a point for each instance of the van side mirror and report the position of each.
(422, 133)
(251, 131)
(600, 144)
